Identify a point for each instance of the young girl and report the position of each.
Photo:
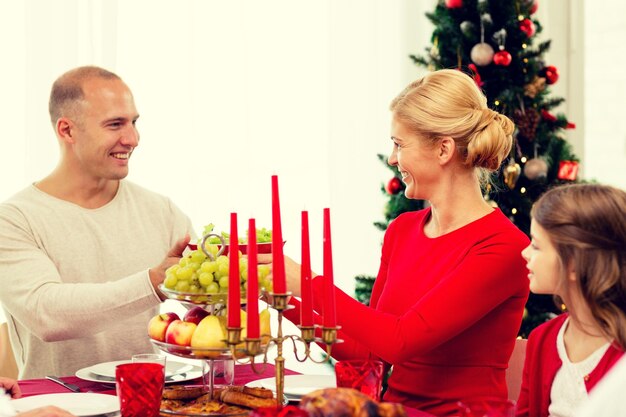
(577, 253)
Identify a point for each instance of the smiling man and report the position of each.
(82, 251)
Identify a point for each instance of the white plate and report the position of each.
(193, 373)
(108, 368)
(82, 404)
(297, 385)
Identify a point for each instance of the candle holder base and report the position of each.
(233, 335)
(307, 333)
(329, 335)
(253, 347)
(279, 301)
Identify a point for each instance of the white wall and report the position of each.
(233, 92)
(229, 94)
(605, 91)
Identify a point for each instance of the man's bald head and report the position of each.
(67, 90)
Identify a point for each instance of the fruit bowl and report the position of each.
(200, 298)
(195, 352)
(190, 352)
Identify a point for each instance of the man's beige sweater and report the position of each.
(74, 282)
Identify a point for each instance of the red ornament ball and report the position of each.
(528, 27)
(551, 74)
(502, 58)
(394, 186)
(454, 4)
(534, 6)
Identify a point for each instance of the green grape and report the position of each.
(208, 229)
(223, 281)
(182, 286)
(194, 280)
(185, 273)
(214, 240)
(193, 288)
(170, 281)
(265, 284)
(222, 259)
(172, 269)
(243, 272)
(263, 235)
(263, 271)
(222, 269)
(183, 261)
(193, 265)
(205, 278)
(212, 288)
(213, 249)
(197, 256)
(208, 266)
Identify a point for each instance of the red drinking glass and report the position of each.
(140, 387)
(363, 375)
(486, 407)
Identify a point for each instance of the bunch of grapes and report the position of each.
(198, 274)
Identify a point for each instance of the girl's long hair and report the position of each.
(587, 225)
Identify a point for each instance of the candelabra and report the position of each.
(254, 347)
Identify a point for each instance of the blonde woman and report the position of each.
(450, 292)
(578, 253)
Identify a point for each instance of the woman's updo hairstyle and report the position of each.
(448, 103)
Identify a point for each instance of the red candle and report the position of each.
(234, 295)
(330, 319)
(278, 265)
(253, 283)
(306, 309)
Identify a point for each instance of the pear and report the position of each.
(244, 330)
(209, 334)
(265, 329)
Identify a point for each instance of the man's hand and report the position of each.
(157, 274)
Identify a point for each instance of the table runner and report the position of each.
(243, 375)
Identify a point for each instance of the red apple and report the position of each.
(195, 315)
(157, 326)
(179, 333)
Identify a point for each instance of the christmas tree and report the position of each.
(493, 42)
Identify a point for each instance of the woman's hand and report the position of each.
(292, 273)
(11, 387)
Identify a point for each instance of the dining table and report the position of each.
(243, 375)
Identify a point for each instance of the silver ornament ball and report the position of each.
(482, 54)
(466, 27)
(536, 169)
